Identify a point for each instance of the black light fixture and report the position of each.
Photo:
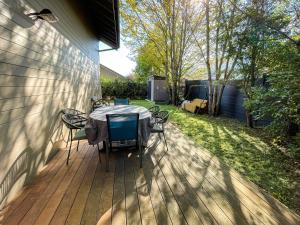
(44, 14)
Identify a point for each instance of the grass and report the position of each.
(249, 151)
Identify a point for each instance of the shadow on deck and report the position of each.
(186, 185)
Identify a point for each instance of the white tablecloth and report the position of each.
(96, 126)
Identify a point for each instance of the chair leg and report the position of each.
(107, 156)
(104, 146)
(69, 150)
(77, 145)
(165, 141)
(99, 152)
(141, 154)
(68, 138)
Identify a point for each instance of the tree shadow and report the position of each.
(229, 193)
(43, 69)
(18, 169)
(246, 150)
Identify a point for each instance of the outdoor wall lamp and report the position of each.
(28, 20)
(45, 14)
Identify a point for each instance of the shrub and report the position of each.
(280, 101)
(124, 89)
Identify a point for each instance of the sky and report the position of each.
(117, 60)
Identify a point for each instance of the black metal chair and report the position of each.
(123, 128)
(154, 110)
(71, 123)
(78, 118)
(158, 126)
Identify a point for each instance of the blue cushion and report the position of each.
(122, 127)
(121, 101)
(80, 135)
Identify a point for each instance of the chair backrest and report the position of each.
(121, 101)
(99, 103)
(122, 127)
(154, 110)
(72, 111)
(162, 116)
(70, 121)
(93, 99)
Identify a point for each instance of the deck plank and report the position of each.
(201, 160)
(66, 202)
(119, 207)
(75, 215)
(204, 215)
(39, 198)
(232, 207)
(133, 215)
(51, 207)
(50, 200)
(105, 210)
(17, 209)
(263, 201)
(199, 187)
(145, 203)
(92, 207)
(173, 208)
(159, 205)
(180, 193)
(192, 202)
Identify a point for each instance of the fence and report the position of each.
(232, 102)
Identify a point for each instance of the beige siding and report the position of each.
(43, 69)
(109, 74)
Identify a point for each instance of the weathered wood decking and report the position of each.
(186, 185)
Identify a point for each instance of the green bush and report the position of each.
(124, 89)
(280, 100)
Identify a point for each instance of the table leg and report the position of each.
(104, 146)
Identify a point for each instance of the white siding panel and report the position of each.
(43, 69)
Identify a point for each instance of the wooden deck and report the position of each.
(186, 185)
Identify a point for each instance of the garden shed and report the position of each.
(157, 89)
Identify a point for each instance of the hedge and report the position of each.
(124, 89)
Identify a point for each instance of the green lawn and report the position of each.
(246, 150)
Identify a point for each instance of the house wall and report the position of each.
(43, 69)
(108, 74)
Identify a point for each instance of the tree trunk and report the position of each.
(249, 118)
(174, 91)
(220, 94)
(292, 129)
(210, 86)
(210, 99)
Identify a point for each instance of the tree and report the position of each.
(249, 63)
(272, 17)
(169, 25)
(148, 62)
(219, 47)
(280, 100)
(235, 31)
(268, 23)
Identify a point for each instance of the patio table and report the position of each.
(96, 126)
